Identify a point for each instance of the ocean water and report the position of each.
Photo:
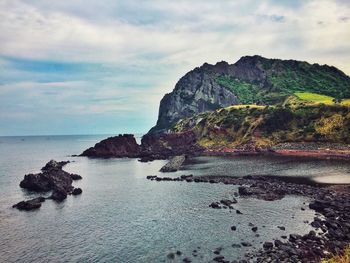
(122, 217)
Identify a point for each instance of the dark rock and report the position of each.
(254, 229)
(278, 243)
(76, 177)
(319, 205)
(218, 258)
(187, 260)
(268, 245)
(239, 212)
(30, 204)
(59, 194)
(228, 202)
(118, 146)
(53, 165)
(174, 164)
(52, 176)
(233, 228)
(282, 227)
(77, 191)
(246, 244)
(178, 253)
(162, 146)
(171, 255)
(146, 159)
(215, 205)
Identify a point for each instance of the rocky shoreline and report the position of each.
(332, 225)
(296, 149)
(52, 178)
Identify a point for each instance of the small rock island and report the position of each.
(52, 178)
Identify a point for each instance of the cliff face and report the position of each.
(251, 80)
(196, 92)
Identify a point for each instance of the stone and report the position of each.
(30, 204)
(77, 191)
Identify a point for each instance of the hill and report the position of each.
(251, 80)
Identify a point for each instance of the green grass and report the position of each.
(314, 97)
(245, 91)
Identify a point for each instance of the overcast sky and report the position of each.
(102, 66)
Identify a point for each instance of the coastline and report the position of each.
(308, 150)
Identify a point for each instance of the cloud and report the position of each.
(118, 58)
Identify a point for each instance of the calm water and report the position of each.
(122, 217)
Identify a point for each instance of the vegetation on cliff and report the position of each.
(295, 120)
(251, 80)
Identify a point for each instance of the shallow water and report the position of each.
(122, 217)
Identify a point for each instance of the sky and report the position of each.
(102, 66)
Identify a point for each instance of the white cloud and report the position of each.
(154, 43)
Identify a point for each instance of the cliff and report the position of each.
(251, 80)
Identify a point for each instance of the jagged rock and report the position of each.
(118, 146)
(174, 164)
(52, 178)
(30, 204)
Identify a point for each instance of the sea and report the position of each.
(123, 217)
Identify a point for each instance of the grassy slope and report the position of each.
(284, 78)
(269, 125)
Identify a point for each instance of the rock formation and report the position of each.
(118, 146)
(52, 178)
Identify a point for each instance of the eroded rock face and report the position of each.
(162, 146)
(118, 146)
(195, 92)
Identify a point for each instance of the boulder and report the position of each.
(174, 164)
(77, 191)
(30, 204)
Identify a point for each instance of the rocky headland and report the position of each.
(153, 146)
(52, 178)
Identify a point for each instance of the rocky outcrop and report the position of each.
(174, 164)
(252, 79)
(52, 178)
(153, 146)
(162, 146)
(118, 146)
